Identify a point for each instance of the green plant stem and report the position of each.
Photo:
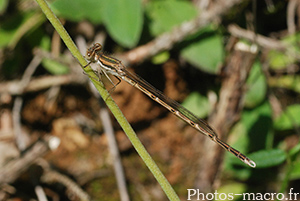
(110, 103)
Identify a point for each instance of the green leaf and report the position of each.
(45, 43)
(295, 171)
(3, 6)
(295, 150)
(54, 67)
(79, 10)
(164, 15)
(257, 86)
(198, 104)
(160, 58)
(250, 133)
(233, 188)
(259, 125)
(14, 28)
(268, 158)
(289, 119)
(279, 60)
(207, 53)
(291, 82)
(7, 34)
(123, 20)
(251, 117)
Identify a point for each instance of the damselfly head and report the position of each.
(91, 52)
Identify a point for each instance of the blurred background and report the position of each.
(234, 63)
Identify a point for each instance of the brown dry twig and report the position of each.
(52, 176)
(29, 84)
(227, 112)
(15, 87)
(167, 40)
(266, 43)
(262, 41)
(291, 13)
(14, 168)
(114, 151)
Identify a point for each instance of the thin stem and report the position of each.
(110, 103)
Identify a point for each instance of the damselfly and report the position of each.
(115, 67)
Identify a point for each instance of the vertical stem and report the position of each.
(110, 103)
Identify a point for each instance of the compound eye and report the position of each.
(97, 46)
(88, 55)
